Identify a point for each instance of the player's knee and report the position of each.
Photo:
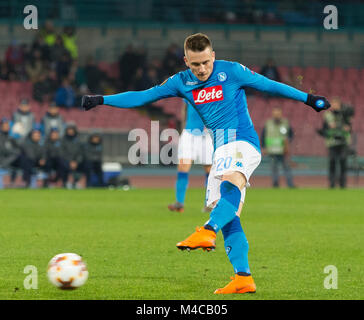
(236, 178)
(184, 165)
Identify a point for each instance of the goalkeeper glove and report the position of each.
(318, 103)
(89, 102)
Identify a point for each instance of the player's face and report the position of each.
(201, 63)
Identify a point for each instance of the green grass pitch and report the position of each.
(128, 240)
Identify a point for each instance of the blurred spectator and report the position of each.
(139, 81)
(152, 77)
(40, 45)
(45, 88)
(276, 137)
(9, 149)
(172, 60)
(33, 155)
(69, 40)
(4, 71)
(93, 76)
(23, 120)
(35, 67)
(48, 33)
(52, 120)
(128, 64)
(270, 71)
(145, 79)
(72, 153)
(65, 95)
(92, 163)
(14, 56)
(55, 165)
(63, 66)
(58, 50)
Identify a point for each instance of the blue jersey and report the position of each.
(193, 121)
(220, 100)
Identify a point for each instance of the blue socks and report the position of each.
(224, 217)
(181, 186)
(226, 208)
(236, 246)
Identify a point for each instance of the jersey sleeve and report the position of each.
(132, 99)
(249, 78)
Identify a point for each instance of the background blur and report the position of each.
(109, 46)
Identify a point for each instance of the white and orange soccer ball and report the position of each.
(67, 271)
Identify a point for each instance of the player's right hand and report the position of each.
(89, 102)
(318, 103)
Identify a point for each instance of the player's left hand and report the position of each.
(318, 103)
(89, 102)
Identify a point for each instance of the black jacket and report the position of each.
(72, 149)
(33, 150)
(9, 150)
(53, 149)
(92, 152)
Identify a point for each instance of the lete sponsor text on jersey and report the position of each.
(207, 95)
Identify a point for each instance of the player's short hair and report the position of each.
(197, 42)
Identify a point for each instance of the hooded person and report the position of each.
(92, 163)
(10, 152)
(55, 163)
(72, 153)
(33, 154)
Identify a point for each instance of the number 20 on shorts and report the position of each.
(223, 163)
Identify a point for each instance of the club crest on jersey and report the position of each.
(221, 76)
(207, 95)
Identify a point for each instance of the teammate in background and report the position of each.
(195, 145)
(276, 137)
(215, 88)
(52, 120)
(23, 120)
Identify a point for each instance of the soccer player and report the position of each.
(195, 145)
(216, 90)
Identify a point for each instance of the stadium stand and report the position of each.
(346, 83)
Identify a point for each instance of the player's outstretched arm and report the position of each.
(132, 99)
(254, 80)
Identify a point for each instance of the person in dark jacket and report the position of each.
(33, 155)
(9, 149)
(54, 159)
(72, 153)
(93, 160)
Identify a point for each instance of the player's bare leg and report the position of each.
(183, 168)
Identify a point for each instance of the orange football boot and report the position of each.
(202, 238)
(239, 284)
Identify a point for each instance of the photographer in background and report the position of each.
(337, 133)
